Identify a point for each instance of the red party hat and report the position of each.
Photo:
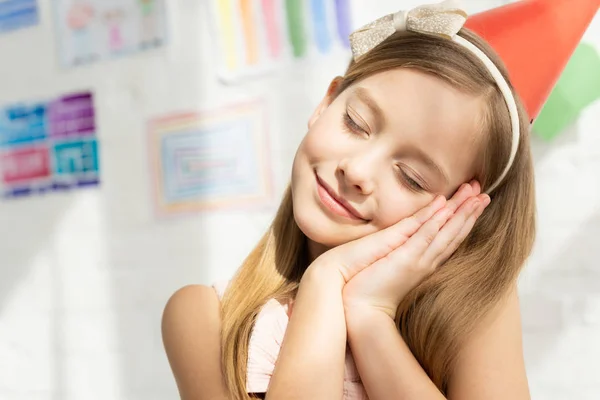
(535, 39)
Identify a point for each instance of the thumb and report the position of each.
(354, 256)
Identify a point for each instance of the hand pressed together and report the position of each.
(378, 270)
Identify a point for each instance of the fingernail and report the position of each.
(486, 200)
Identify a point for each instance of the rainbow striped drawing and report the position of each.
(254, 36)
(211, 160)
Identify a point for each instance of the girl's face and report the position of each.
(380, 151)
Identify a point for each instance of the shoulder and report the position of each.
(491, 363)
(189, 305)
(191, 336)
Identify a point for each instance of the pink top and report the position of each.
(265, 342)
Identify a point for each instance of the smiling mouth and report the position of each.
(334, 203)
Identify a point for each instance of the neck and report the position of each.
(315, 250)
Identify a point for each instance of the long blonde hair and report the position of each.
(437, 315)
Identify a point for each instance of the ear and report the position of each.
(327, 100)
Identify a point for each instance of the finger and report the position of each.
(415, 247)
(360, 253)
(451, 231)
(476, 187)
(466, 191)
(466, 229)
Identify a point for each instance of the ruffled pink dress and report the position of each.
(265, 342)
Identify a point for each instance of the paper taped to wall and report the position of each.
(211, 160)
(93, 30)
(48, 145)
(17, 14)
(254, 37)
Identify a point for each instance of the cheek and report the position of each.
(298, 163)
(325, 139)
(308, 154)
(397, 204)
(316, 145)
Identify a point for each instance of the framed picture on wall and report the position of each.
(48, 145)
(93, 30)
(211, 160)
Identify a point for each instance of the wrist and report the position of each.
(361, 318)
(322, 276)
(359, 307)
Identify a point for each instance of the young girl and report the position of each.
(369, 283)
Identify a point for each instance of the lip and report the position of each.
(335, 203)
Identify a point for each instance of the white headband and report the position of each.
(443, 20)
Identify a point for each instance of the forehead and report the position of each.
(417, 101)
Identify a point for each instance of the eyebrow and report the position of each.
(432, 164)
(364, 96)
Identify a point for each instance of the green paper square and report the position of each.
(578, 87)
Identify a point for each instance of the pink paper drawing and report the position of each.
(114, 19)
(79, 19)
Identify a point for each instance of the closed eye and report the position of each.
(352, 126)
(410, 182)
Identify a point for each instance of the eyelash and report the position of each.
(411, 183)
(354, 128)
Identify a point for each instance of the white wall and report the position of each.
(84, 275)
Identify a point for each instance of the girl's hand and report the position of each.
(342, 263)
(413, 249)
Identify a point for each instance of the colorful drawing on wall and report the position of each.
(48, 145)
(92, 30)
(17, 14)
(212, 160)
(577, 88)
(255, 36)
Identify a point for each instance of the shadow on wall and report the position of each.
(29, 226)
(147, 266)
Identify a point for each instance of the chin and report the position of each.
(312, 231)
(320, 229)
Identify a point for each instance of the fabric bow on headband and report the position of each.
(444, 19)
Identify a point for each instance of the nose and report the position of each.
(357, 174)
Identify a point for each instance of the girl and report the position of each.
(369, 283)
